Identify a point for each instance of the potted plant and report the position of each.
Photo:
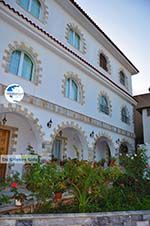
(19, 197)
(112, 161)
(58, 178)
(59, 188)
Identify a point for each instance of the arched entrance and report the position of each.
(69, 143)
(19, 130)
(102, 150)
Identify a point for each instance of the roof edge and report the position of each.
(103, 33)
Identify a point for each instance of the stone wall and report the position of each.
(130, 218)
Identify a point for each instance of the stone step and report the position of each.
(146, 217)
(142, 223)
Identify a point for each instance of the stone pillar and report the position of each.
(90, 154)
(47, 150)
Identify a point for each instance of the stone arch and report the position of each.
(71, 125)
(17, 111)
(101, 51)
(29, 50)
(76, 78)
(76, 29)
(102, 136)
(16, 108)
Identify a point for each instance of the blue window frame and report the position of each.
(71, 89)
(74, 39)
(32, 6)
(21, 65)
(104, 105)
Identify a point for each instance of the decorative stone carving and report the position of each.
(76, 29)
(76, 78)
(38, 102)
(36, 78)
(16, 108)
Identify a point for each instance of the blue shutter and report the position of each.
(27, 68)
(68, 87)
(14, 62)
(77, 41)
(35, 8)
(70, 38)
(74, 92)
(24, 4)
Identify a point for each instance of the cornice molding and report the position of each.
(44, 104)
(25, 25)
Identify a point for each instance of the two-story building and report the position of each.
(78, 94)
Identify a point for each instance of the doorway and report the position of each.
(4, 144)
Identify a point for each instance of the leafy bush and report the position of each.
(95, 188)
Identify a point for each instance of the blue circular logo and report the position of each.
(14, 93)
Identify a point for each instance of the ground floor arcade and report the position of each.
(64, 139)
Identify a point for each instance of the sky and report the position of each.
(127, 24)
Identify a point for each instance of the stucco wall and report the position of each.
(56, 25)
(53, 69)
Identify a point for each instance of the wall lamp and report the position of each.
(49, 124)
(92, 134)
(118, 141)
(4, 120)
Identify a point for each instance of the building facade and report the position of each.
(142, 121)
(78, 94)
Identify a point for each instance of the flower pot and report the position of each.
(18, 202)
(58, 196)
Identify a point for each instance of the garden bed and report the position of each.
(94, 188)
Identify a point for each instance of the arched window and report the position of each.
(72, 89)
(122, 78)
(124, 115)
(21, 64)
(32, 6)
(104, 107)
(74, 39)
(103, 62)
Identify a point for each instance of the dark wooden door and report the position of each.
(4, 143)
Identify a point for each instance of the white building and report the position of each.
(73, 76)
